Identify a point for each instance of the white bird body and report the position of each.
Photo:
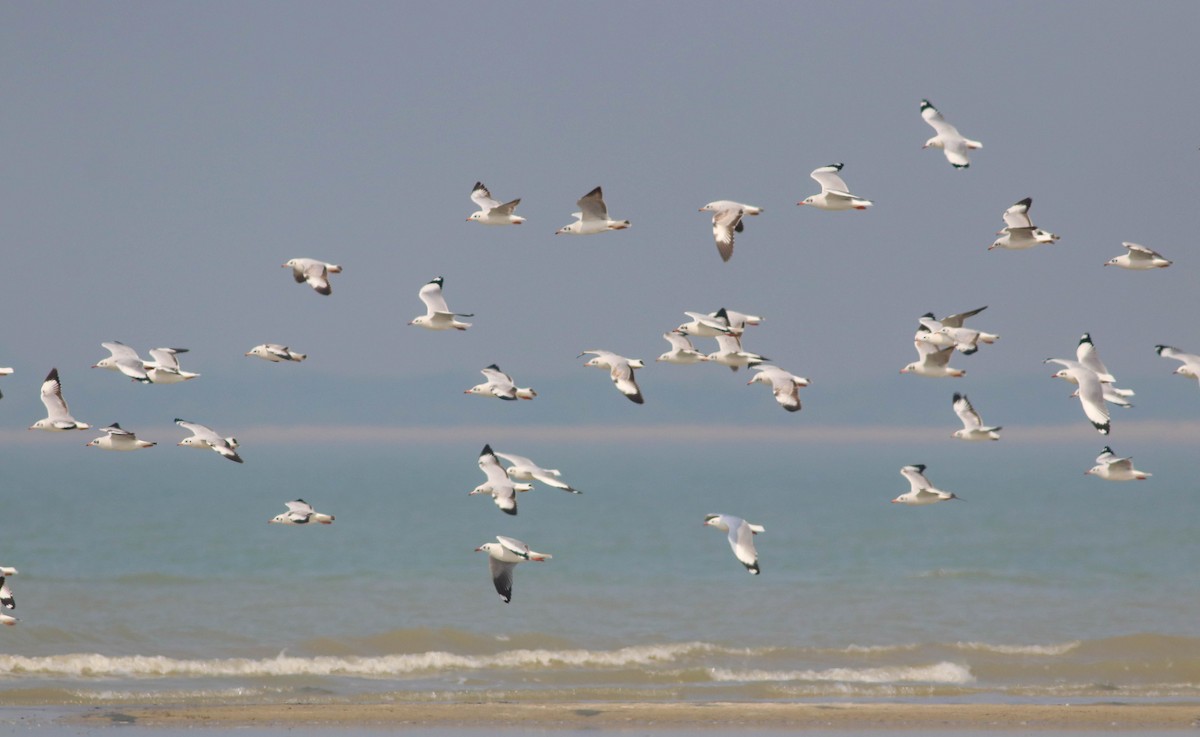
(498, 484)
(165, 369)
(500, 385)
(119, 439)
(1091, 395)
(620, 371)
(301, 512)
(709, 326)
(491, 211)
(1019, 232)
(1190, 362)
(682, 351)
(437, 313)
(503, 556)
(274, 352)
(727, 220)
(1111, 468)
(784, 385)
(125, 360)
(592, 217)
(205, 437)
(952, 143)
(741, 538)
(834, 195)
(524, 469)
(933, 362)
(313, 272)
(1138, 258)
(729, 353)
(973, 427)
(58, 416)
(920, 491)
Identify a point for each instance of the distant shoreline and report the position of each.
(672, 715)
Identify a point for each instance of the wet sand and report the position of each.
(607, 716)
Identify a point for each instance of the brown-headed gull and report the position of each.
(950, 331)
(315, 273)
(932, 361)
(492, 212)
(727, 220)
(165, 369)
(1111, 468)
(708, 326)
(784, 385)
(205, 437)
(1138, 258)
(274, 352)
(503, 556)
(741, 538)
(523, 469)
(58, 417)
(682, 351)
(730, 353)
(1190, 367)
(301, 512)
(119, 439)
(1091, 394)
(620, 371)
(125, 360)
(1019, 232)
(920, 491)
(500, 385)
(1086, 354)
(437, 314)
(498, 484)
(952, 143)
(592, 217)
(6, 595)
(834, 195)
(736, 320)
(973, 427)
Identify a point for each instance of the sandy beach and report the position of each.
(715, 715)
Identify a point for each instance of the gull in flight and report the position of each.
(275, 353)
(973, 427)
(729, 353)
(932, 361)
(500, 385)
(205, 437)
(119, 439)
(58, 417)
(1091, 394)
(1019, 231)
(952, 143)
(437, 314)
(315, 272)
(950, 331)
(523, 469)
(741, 538)
(727, 220)
(301, 512)
(709, 326)
(503, 556)
(1139, 258)
(620, 371)
(491, 212)
(164, 369)
(784, 385)
(682, 351)
(124, 359)
(920, 491)
(835, 195)
(1190, 366)
(498, 484)
(1111, 468)
(592, 217)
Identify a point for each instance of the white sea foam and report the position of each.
(93, 665)
(1059, 649)
(947, 673)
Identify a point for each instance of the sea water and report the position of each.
(154, 575)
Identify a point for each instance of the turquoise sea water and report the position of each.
(155, 575)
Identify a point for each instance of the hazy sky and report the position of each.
(161, 161)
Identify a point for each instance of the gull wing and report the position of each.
(431, 295)
(970, 418)
(828, 178)
(1017, 216)
(483, 198)
(592, 207)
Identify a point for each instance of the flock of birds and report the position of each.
(936, 341)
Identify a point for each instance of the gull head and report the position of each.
(564, 229)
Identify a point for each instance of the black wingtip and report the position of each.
(636, 398)
(510, 512)
(487, 450)
(958, 396)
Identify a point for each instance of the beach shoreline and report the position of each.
(675, 715)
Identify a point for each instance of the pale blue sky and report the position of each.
(163, 159)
